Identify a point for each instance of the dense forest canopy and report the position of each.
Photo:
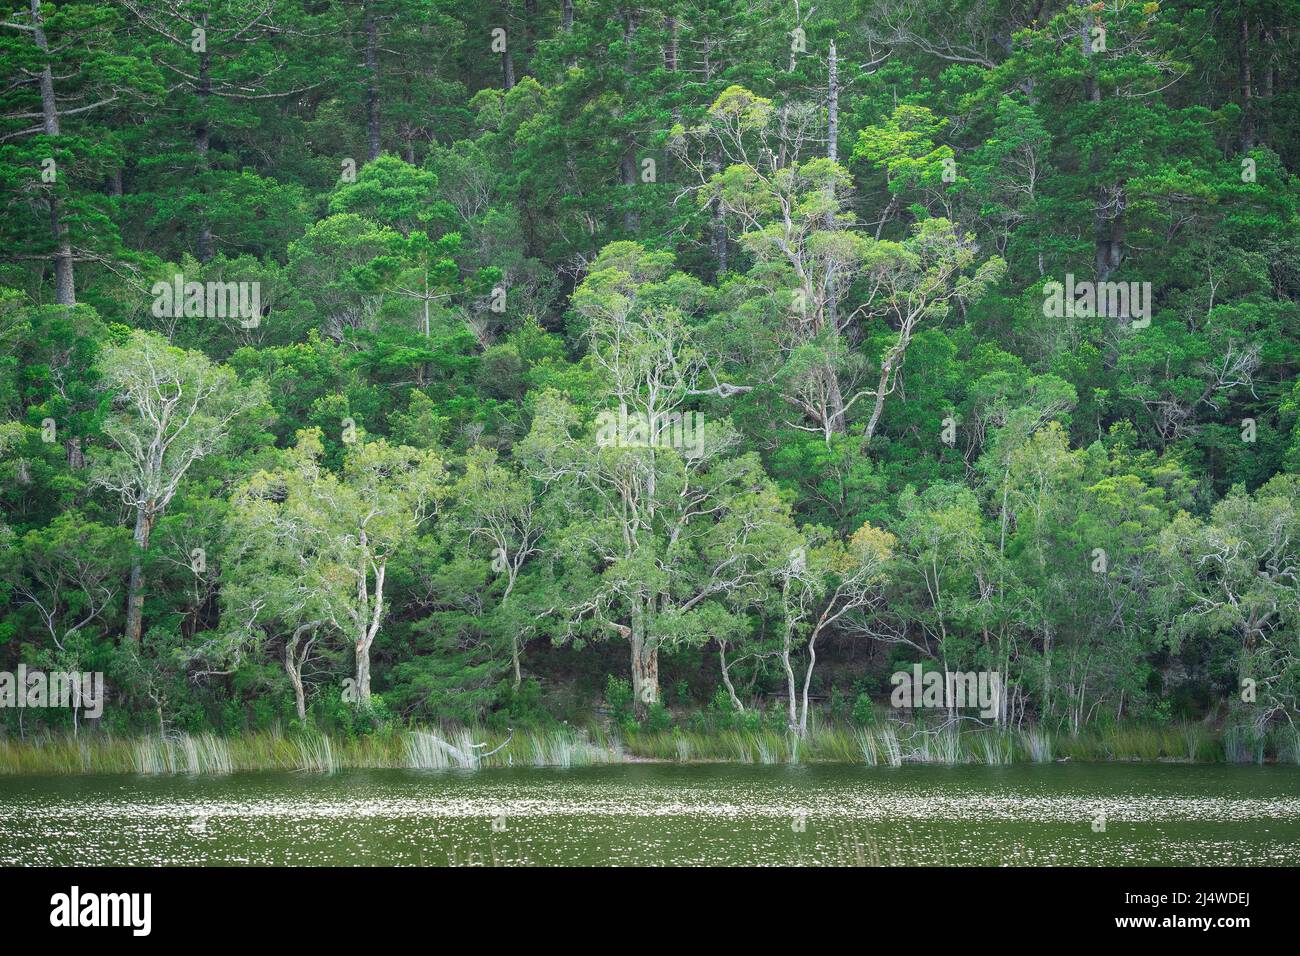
(370, 361)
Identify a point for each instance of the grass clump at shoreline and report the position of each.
(888, 744)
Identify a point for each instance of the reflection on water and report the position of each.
(665, 815)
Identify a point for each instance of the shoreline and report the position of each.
(449, 748)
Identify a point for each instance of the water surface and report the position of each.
(663, 814)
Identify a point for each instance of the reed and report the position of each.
(1287, 744)
(1036, 743)
(204, 753)
(1199, 745)
(890, 749)
(886, 744)
(995, 748)
(315, 753)
(940, 745)
(563, 747)
(738, 746)
(1241, 744)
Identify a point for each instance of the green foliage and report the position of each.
(595, 355)
(864, 711)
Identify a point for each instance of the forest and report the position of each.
(650, 364)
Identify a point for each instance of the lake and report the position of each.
(665, 814)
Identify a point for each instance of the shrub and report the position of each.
(618, 697)
(657, 718)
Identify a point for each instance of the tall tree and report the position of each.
(172, 408)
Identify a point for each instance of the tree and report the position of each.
(820, 587)
(1236, 575)
(808, 253)
(660, 513)
(218, 56)
(171, 409)
(55, 165)
(498, 508)
(793, 218)
(69, 574)
(333, 535)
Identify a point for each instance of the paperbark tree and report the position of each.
(796, 224)
(819, 585)
(331, 535)
(674, 521)
(1239, 574)
(172, 408)
(498, 508)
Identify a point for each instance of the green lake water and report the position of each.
(664, 814)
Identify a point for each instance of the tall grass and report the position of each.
(182, 754)
(1037, 745)
(433, 751)
(567, 747)
(887, 744)
(738, 746)
(1241, 744)
(994, 748)
(1287, 745)
(1199, 744)
(315, 753)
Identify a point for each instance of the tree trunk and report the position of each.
(369, 626)
(76, 457)
(719, 237)
(807, 680)
(726, 676)
(65, 289)
(1091, 89)
(508, 68)
(645, 671)
(1107, 227)
(628, 169)
(372, 81)
(1246, 82)
(135, 590)
(671, 57)
(296, 654)
(514, 660)
(566, 23)
(887, 365)
(507, 58)
(628, 164)
(832, 105)
(530, 29)
(362, 679)
(834, 407)
(834, 398)
(202, 146)
(294, 669)
(792, 718)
